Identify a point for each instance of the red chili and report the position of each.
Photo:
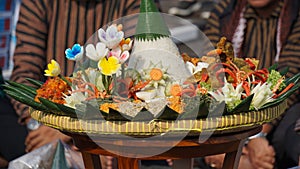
(250, 63)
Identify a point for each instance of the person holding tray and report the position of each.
(268, 30)
(44, 30)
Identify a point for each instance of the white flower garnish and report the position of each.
(194, 69)
(94, 77)
(97, 53)
(74, 99)
(146, 95)
(232, 96)
(262, 95)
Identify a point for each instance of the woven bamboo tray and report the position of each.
(222, 124)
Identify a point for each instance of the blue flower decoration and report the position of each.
(75, 53)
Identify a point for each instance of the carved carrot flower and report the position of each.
(176, 90)
(53, 69)
(109, 66)
(156, 74)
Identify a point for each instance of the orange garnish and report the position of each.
(105, 107)
(176, 104)
(214, 52)
(176, 90)
(156, 74)
(125, 41)
(53, 90)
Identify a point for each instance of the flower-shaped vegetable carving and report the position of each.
(230, 94)
(74, 99)
(262, 95)
(111, 37)
(157, 76)
(194, 69)
(75, 53)
(109, 66)
(97, 53)
(126, 44)
(53, 69)
(117, 52)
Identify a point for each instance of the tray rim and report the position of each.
(219, 125)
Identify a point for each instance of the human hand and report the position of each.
(215, 161)
(169, 161)
(297, 126)
(106, 162)
(43, 135)
(261, 154)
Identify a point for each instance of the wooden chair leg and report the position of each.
(187, 163)
(232, 159)
(91, 161)
(126, 163)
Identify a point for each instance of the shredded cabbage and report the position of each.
(273, 79)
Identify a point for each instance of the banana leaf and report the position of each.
(167, 114)
(273, 67)
(282, 97)
(203, 109)
(143, 115)
(22, 87)
(191, 109)
(59, 160)
(284, 71)
(50, 105)
(115, 115)
(68, 110)
(294, 79)
(201, 104)
(23, 98)
(92, 111)
(8, 87)
(58, 109)
(36, 83)
(217, 110)
(53, 107)
(244, 106)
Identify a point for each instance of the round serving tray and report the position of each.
(222, 124)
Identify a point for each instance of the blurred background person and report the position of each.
(13, 134)
(268, 30)
(44, 30)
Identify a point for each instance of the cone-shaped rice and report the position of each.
(153, 45)
(150, 24)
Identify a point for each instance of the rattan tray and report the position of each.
(221, 124)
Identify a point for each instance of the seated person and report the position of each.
(267, 30)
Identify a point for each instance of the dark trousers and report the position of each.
(12, 134)
(286, 141)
